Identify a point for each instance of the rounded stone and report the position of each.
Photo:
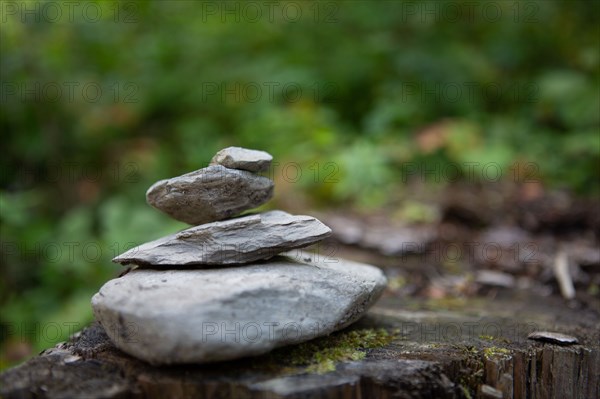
(207, 315)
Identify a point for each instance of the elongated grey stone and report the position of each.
(553, 337)
(199, 316)
(243, 158)
(235, 241)
(209, 194)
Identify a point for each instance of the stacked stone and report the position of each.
(218, 290)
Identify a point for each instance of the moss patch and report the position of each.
(494, 352)
(322, 354)
(474, 377)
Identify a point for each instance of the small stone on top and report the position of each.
(243, 158)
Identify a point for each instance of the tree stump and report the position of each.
(474, 348)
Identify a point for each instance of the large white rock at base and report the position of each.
(200, 316)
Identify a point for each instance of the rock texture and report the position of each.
(236, 241)
(209, 194)
(242, 158)
(199, 316)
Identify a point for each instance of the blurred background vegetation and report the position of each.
(101, 99)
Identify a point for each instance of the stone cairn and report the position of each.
(229, 287)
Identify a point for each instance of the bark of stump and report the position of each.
(477, 349)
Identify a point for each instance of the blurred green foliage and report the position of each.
(108, 97)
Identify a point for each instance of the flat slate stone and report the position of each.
(200, 316)
(243, 158)
(553, 337)
(209, 194)
(236, 241)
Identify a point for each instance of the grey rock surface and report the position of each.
(553, 337)
(199, 316)
(243, 158)
(235, 241)
(209, 194)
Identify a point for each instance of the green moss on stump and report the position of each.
(494, 352)
(322, 354)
